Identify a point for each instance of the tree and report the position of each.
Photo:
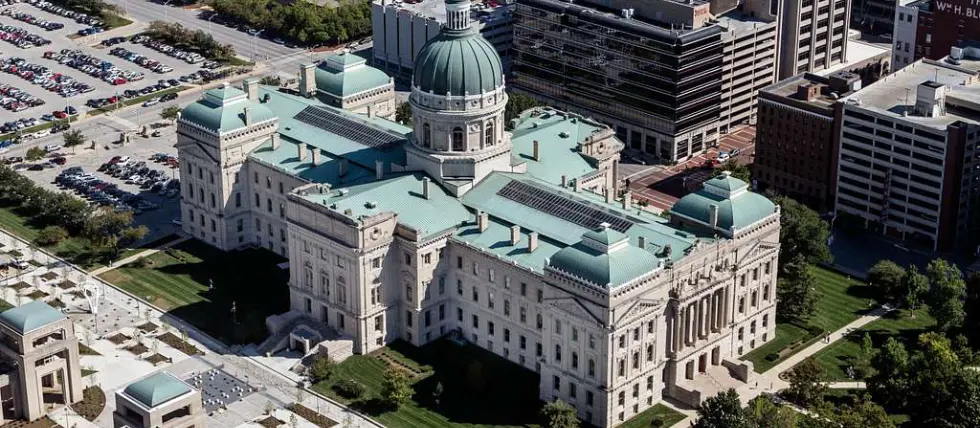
(737, 170)
(517, 104)
(946, 295)
(796, 290)
(395, 388)
(862, 363)
(886, 277)
(864, 414)
(722, 411)
(437, 393)
(889, 384)
(51, 235)
(73, 138)
(107, 228)
(942, 392)
(914, 286)
(403, 114)
(806, 383)
(802, 232)
(321, 369)
(972, 307)
(762, 412)
(559, 414)
(170, 113)
(35, 153)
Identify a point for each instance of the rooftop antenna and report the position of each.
(936, 79)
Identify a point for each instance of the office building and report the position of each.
(929, 29)
(873, 17)
(871, 61)
(668, 76)
(795, 146)
(813, 35)
(513, 241)
(39, 367)
(400, 29)
(908, 150)
(160, 400)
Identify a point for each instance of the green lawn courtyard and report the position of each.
(643, 420)
(177, 281)
(480, 389)
(836, 358)
(842, 300)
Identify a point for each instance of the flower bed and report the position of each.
(179, 344)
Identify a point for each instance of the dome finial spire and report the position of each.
(458, 15)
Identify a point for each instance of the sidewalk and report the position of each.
(137, 256)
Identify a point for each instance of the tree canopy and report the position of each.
(796, 291)
(886, 276)
(517, 103)
(722, 411)
(559, 414)
(395, 388)
(947, 293)
(304, 22)
(803, 233)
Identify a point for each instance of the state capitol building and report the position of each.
(515, 237)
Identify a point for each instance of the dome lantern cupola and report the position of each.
(458, 15)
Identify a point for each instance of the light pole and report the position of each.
(166, 12)
(255, 54)
(209, 24)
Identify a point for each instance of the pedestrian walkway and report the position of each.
(138, 256)
(847, 385)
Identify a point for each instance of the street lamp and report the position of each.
(255, 54)
(166, 12)
(209, 24)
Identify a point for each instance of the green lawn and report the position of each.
(842, 300)
(837, 357)
(74, 249)
(480, 389)
(666, 414)
(176, 280)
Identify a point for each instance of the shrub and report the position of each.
(349, 388)
(321, 369)
(772, 356)
(51, 235)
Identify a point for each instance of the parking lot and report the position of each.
(60, 41)
(160, 219)
(663, 186)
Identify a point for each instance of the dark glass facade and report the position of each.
(652, 77)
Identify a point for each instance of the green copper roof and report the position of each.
(286, 158)
(30, 316)
(401, 194)
(558, 136)
(496, 240)
(604, 258)
(738, 207)
(222, 110)
(347, 74)
(157, 389)
(456, 63)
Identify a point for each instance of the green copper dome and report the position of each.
(457, 62)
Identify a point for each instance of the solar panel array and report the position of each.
(560, 206)
(336, 123)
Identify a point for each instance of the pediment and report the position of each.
(195, 149)
(641, 308)
(574, 307)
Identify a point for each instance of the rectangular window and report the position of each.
(523, 289)
(459, 287)
(476, 321)
(408, 318)
(408, 259)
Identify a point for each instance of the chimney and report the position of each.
(307, 81)
(276, 140)
(425, 187)
(537, 151)
(342, 168)
(610, 197)
(515, 234)
(532, 242)
(578, 185)
(248, 116)
(251, 88)
(713, 215)
(301, 151)
(628, 200)
(564, 181)
(379, 169)
(482, 221)
(807, 91)
(642, 243)
(371, 110)
(316, 156)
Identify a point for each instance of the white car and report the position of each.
(20, 264)
(151, 102)
(51, 148)
(723, 156)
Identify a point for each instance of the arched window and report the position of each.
(426, 136)
(457, 139)
(488, 137)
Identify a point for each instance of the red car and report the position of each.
(60, 114)
(59, 161)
